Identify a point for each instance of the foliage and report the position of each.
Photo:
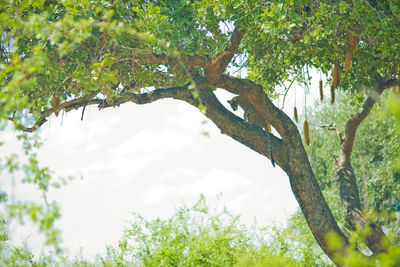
(196, 236)
(58, 50)
(395, 109)
(298, 230)
(28, 171)
(290, 35)
(76, 45)
(390, 258)
(193, 236)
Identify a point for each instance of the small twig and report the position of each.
(227, 27)
(286, 91)
(66, 79)
(45, 199)
(83, 110)
(241, 67)
(332, 127)
(116, 1)
(127, 47)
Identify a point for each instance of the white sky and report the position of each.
(147, 159)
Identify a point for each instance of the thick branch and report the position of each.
(251, 136)
(179, 92)
(256, 96)
(47, 113)
(219, 64)
(144, 98)
(390, 83)
(152, 58)
(213, 68)
(355, 120)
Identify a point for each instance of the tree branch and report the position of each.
(249, 135)
(43, 118)
(179, 92)
(346, 183)
(143, 98)
(332, 127)
(256, 96)
(213, 68)
(152, 58)
(345, 178)
(220, 62)
(356, 119)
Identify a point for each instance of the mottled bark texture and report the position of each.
(288, 149)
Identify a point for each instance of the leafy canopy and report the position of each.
(54, 54)
(52, 51)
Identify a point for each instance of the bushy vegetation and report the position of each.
(198, 236)
(193, 236)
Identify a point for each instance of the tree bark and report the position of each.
(349, 195)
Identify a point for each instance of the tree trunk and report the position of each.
(347, 186)
(312, 203)
(289, 153)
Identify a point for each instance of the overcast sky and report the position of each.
(149, 160)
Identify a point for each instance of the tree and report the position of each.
(66, 55)
(376, 146)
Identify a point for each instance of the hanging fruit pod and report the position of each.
(306, 133)
(347, 62)
(332, 94)
(321, 90)
(352, 39)
(296, 117)
(335, 75)
(350, 48)
(55, 101)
